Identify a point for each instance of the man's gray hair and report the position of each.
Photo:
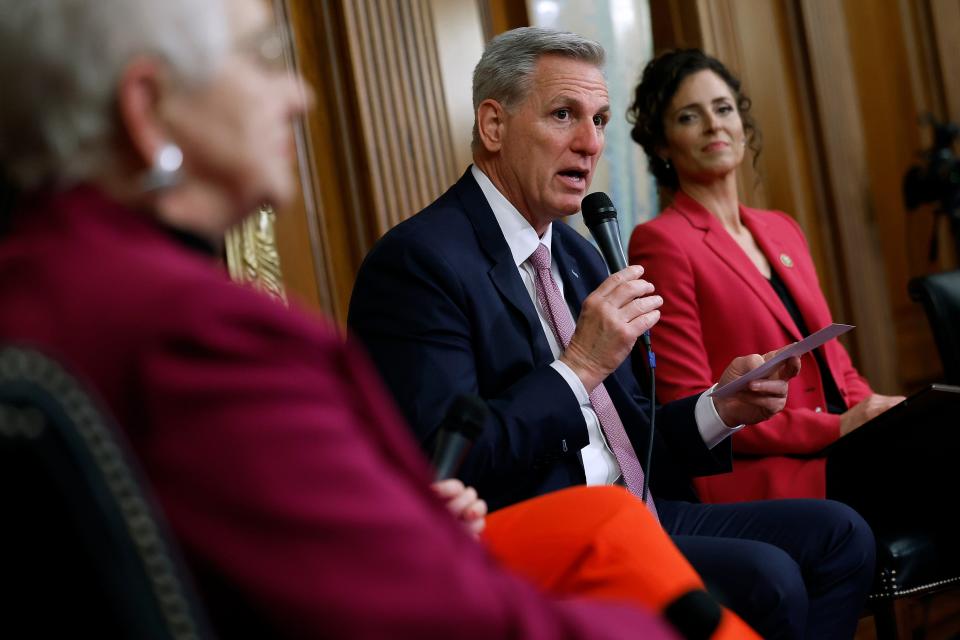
(60, 64)
(505, 70)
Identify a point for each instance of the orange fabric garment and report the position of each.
(597, 542)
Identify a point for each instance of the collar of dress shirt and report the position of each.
(519, 234)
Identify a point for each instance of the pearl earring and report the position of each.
(666, 163)
(165, 172)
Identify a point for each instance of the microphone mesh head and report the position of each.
(467, 414)
(597, 208)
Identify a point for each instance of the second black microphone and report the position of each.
(458, 431)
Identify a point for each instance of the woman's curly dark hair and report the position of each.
(660, 80)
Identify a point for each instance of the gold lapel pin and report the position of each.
(786, 260)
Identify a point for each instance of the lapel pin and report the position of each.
(786, 260)
(575, 274)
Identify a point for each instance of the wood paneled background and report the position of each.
(379, 144)
(837, 89)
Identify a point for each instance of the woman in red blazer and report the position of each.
(738, 280)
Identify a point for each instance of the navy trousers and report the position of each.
(789, 568)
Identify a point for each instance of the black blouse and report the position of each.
(831, 392)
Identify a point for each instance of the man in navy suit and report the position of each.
(454, 300)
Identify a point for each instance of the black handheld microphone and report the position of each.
(600, 216)
(458, 431)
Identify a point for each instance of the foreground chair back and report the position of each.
(84, 551)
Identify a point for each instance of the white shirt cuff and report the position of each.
(711, 427)
(574, 381)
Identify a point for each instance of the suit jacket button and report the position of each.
(819, 409)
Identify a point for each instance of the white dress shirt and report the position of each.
(599, 464)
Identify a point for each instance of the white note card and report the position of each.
(809, 343)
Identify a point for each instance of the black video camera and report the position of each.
(937, 180)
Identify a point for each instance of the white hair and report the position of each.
(509, 61)
(60, 62)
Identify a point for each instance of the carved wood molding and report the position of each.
(401, 109)
(377, 146)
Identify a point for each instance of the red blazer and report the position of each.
(284, 471)
(718, 306)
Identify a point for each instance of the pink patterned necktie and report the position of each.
(551, 300)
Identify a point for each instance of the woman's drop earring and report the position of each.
(165, 172)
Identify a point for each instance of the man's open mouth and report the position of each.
(574, 174)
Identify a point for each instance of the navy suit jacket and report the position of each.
(442, 309)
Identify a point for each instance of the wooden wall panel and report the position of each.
(405, 129)
(676, 24)
(881, 70)
(847, 181)
(503, 15)
(945, 23)
(459, 27)
(328, 229)
(377, 146)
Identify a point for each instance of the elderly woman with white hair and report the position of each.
(137, 132)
